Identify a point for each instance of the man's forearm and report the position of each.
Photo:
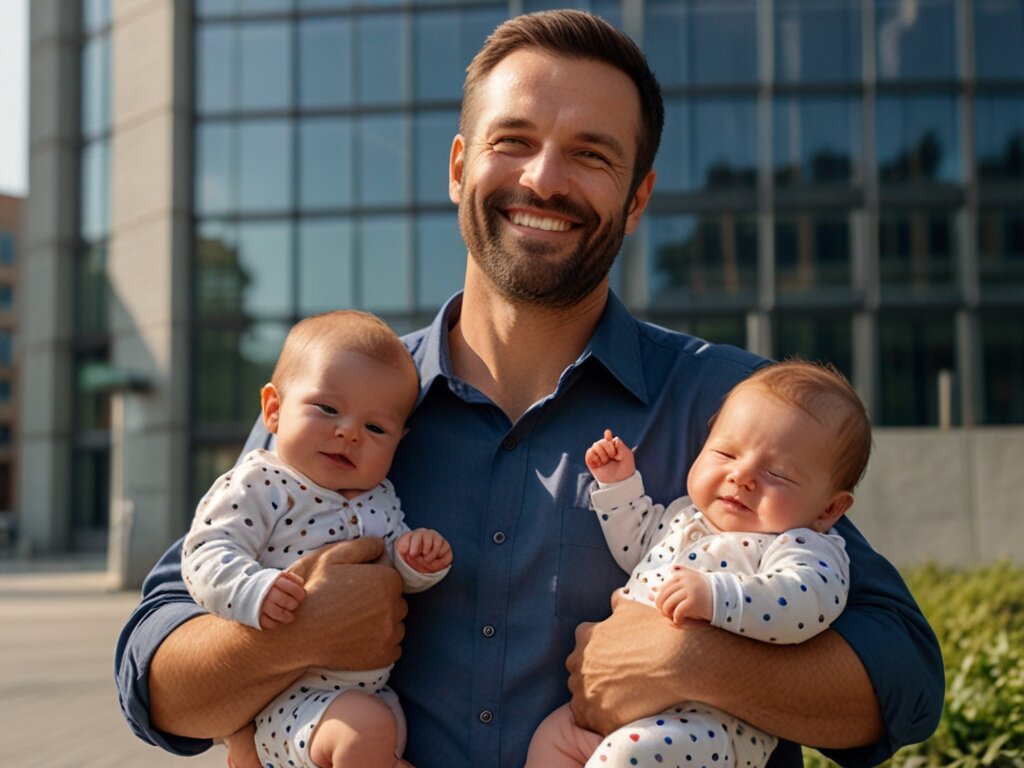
(211, 676)
(636, 664)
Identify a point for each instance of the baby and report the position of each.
(750, 550)
(338, 401)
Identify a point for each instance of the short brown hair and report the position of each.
(822, 392)
(343, 329)
(580, 35)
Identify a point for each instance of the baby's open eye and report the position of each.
(377, 430)
(328, 409)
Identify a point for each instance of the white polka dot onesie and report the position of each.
(256, 520)
(777, 588)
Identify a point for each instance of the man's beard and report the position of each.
(533, 272)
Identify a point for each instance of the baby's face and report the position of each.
(765, 468)
(340, 420)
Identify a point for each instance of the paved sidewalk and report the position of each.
(58, 704)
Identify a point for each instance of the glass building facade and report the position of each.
(838, 179)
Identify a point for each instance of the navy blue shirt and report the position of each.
(484, 657)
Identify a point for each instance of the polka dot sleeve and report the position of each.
(798, 591)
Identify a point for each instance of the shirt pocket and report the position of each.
(587, 572)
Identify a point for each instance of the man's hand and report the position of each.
(352, 615)
(686, 595)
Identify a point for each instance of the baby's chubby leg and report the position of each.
(559, 743)
(357, 729)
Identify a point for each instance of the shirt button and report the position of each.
(486, 717)
(488, 630)
(509, 443)
(498, 537)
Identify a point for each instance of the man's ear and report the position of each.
(270, 401)
(456, 164)
(639, 202)
(838, 507)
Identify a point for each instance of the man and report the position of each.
(552, 167)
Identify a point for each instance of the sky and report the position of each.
(14, 97)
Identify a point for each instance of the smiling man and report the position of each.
(552, 167)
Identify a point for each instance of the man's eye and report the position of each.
(329, 410)
(376, 429)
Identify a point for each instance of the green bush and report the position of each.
(978, 616)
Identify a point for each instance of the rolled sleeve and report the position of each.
(899, 651)
(165, 605)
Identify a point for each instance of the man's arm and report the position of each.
(869, 685)
(815, 693)
(208, 676)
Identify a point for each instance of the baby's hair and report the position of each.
(343, 330)
(824, 393)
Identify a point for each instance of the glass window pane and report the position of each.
(92, 409)
(382, 59)
(434, 134)
(817, 141)
(674, 162)
(1001, 252)
(325, 62)
(384, 263)
(383, 160)
(92, 291)
(999, 39)
(725, 143)
(95, 15)
(230, 368)
(326, 172)
(7, 248)
(441, 259)
(813, 255)
(822, 338)
(817, 40)
(325, 3)
(1000, 137)
(1003, 363)
(723, 41)
(91, 481)
(917, 253)
(241, 7)
(916, 40)
(265, 165)
(918, 139)
(94, 212)
(216, 55)
(266, 65)
(221, 279)
(265, 260)
(326, 266)
(96, 84)
(666, 41)
(446, 42)
(215, 176)
(913, 351)
(709, 259)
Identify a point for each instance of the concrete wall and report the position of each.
(948, 496)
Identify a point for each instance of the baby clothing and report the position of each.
(777, 588)
(256, 520)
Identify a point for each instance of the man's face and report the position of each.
(542, 178)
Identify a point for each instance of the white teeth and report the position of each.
(539, 222)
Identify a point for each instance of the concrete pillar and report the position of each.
(148, 270)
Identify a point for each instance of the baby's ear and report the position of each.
(270, 401)
(838, 506)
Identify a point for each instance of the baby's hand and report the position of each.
(686, 595)
(610, 459)
(424, 550)
(281, 601)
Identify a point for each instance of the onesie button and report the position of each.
(488, 630)
(487, 717)
(509, 443)
(694, 536)
(498, 537)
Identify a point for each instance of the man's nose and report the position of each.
(546, 174)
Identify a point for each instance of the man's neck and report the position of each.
(515, 353)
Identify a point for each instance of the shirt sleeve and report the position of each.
(798, 591)
(232, 525)
(630, 520)
(884, 626)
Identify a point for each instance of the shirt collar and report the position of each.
(615, 344)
